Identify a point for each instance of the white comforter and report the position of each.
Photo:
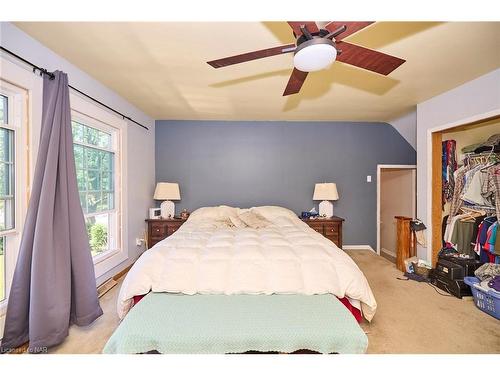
(287, 257)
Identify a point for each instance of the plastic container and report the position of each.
(485, 300)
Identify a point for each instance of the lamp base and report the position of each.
(326, 209)
(167, 209)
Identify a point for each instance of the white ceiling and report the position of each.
(161, 67)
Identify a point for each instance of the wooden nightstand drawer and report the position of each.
(172, 229)
(334, 238)
(317, 227)
(330, 228)
(159, 229)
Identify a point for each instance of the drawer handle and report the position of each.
(157, 229)
(332, 230)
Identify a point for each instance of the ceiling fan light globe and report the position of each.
(315, 57)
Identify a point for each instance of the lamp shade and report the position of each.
(167, 191)
(325, 192)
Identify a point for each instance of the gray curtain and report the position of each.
(54, 281)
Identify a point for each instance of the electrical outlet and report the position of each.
(139, 241)
(368, 178)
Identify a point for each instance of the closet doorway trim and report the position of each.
(431, 132)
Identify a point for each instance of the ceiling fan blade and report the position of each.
(310, 25)
(369, 59)
(352, 27)
(231, 60)
(295, 82)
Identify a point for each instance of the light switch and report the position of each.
(368, 178)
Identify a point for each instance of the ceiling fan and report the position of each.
(316, 49)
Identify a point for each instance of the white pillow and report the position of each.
(254, 219)
(216, 213)
(272, 212)
(237, 222)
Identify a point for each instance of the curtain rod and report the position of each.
(51, 76)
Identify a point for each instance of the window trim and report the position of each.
(93, 115)
(15, 128)
(26, 91)
(115, 150)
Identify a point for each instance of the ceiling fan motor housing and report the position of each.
(302, 38)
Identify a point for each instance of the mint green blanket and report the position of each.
(216, 324)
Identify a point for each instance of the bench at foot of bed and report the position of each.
(217, 324)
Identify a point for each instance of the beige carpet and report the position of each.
(411, 318)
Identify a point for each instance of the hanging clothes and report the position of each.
(490, 188)
(485, 236)
(449, 165)
(473, 191)
(456, 201)
(462, 237)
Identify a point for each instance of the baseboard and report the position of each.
(110, 283)
(388, 252)
(357, 247)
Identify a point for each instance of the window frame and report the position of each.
(115, 150)
(18, 120)
(12, 126)
(92, 115)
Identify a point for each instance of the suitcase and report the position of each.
(449, 270)
(458, 288)
(469, 265)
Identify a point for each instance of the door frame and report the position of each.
(414, 191)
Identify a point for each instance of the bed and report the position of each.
(213, 263)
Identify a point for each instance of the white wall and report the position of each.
(471, 101)
(406, 125)
(140, 145)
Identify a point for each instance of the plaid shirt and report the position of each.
(456, 201)
(491, 186)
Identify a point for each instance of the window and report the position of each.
(9, 125)
(95, 154)
(6, 186)
(2, 269)
(6, 178)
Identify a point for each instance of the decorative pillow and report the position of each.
(272, 212)
(237, 222)
(254, 219)
(223, 223)
(220, 212)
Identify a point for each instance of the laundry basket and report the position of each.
(485, 300)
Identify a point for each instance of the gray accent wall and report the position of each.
(247, 164)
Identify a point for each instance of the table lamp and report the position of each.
(325, 192)
(166, 192)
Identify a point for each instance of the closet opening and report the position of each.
(465, 160)
(396, 196)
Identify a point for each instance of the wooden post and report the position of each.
(436, 196)
(406, 242)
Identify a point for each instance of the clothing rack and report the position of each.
(43, 71)
(482, 158)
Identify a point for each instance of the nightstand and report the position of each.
(159, 229)
(330, 228)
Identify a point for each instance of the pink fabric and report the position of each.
(354, 311)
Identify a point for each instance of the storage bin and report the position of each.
(485, 300)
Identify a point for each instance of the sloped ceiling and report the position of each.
(161, 67)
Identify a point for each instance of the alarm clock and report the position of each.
(155, 213)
